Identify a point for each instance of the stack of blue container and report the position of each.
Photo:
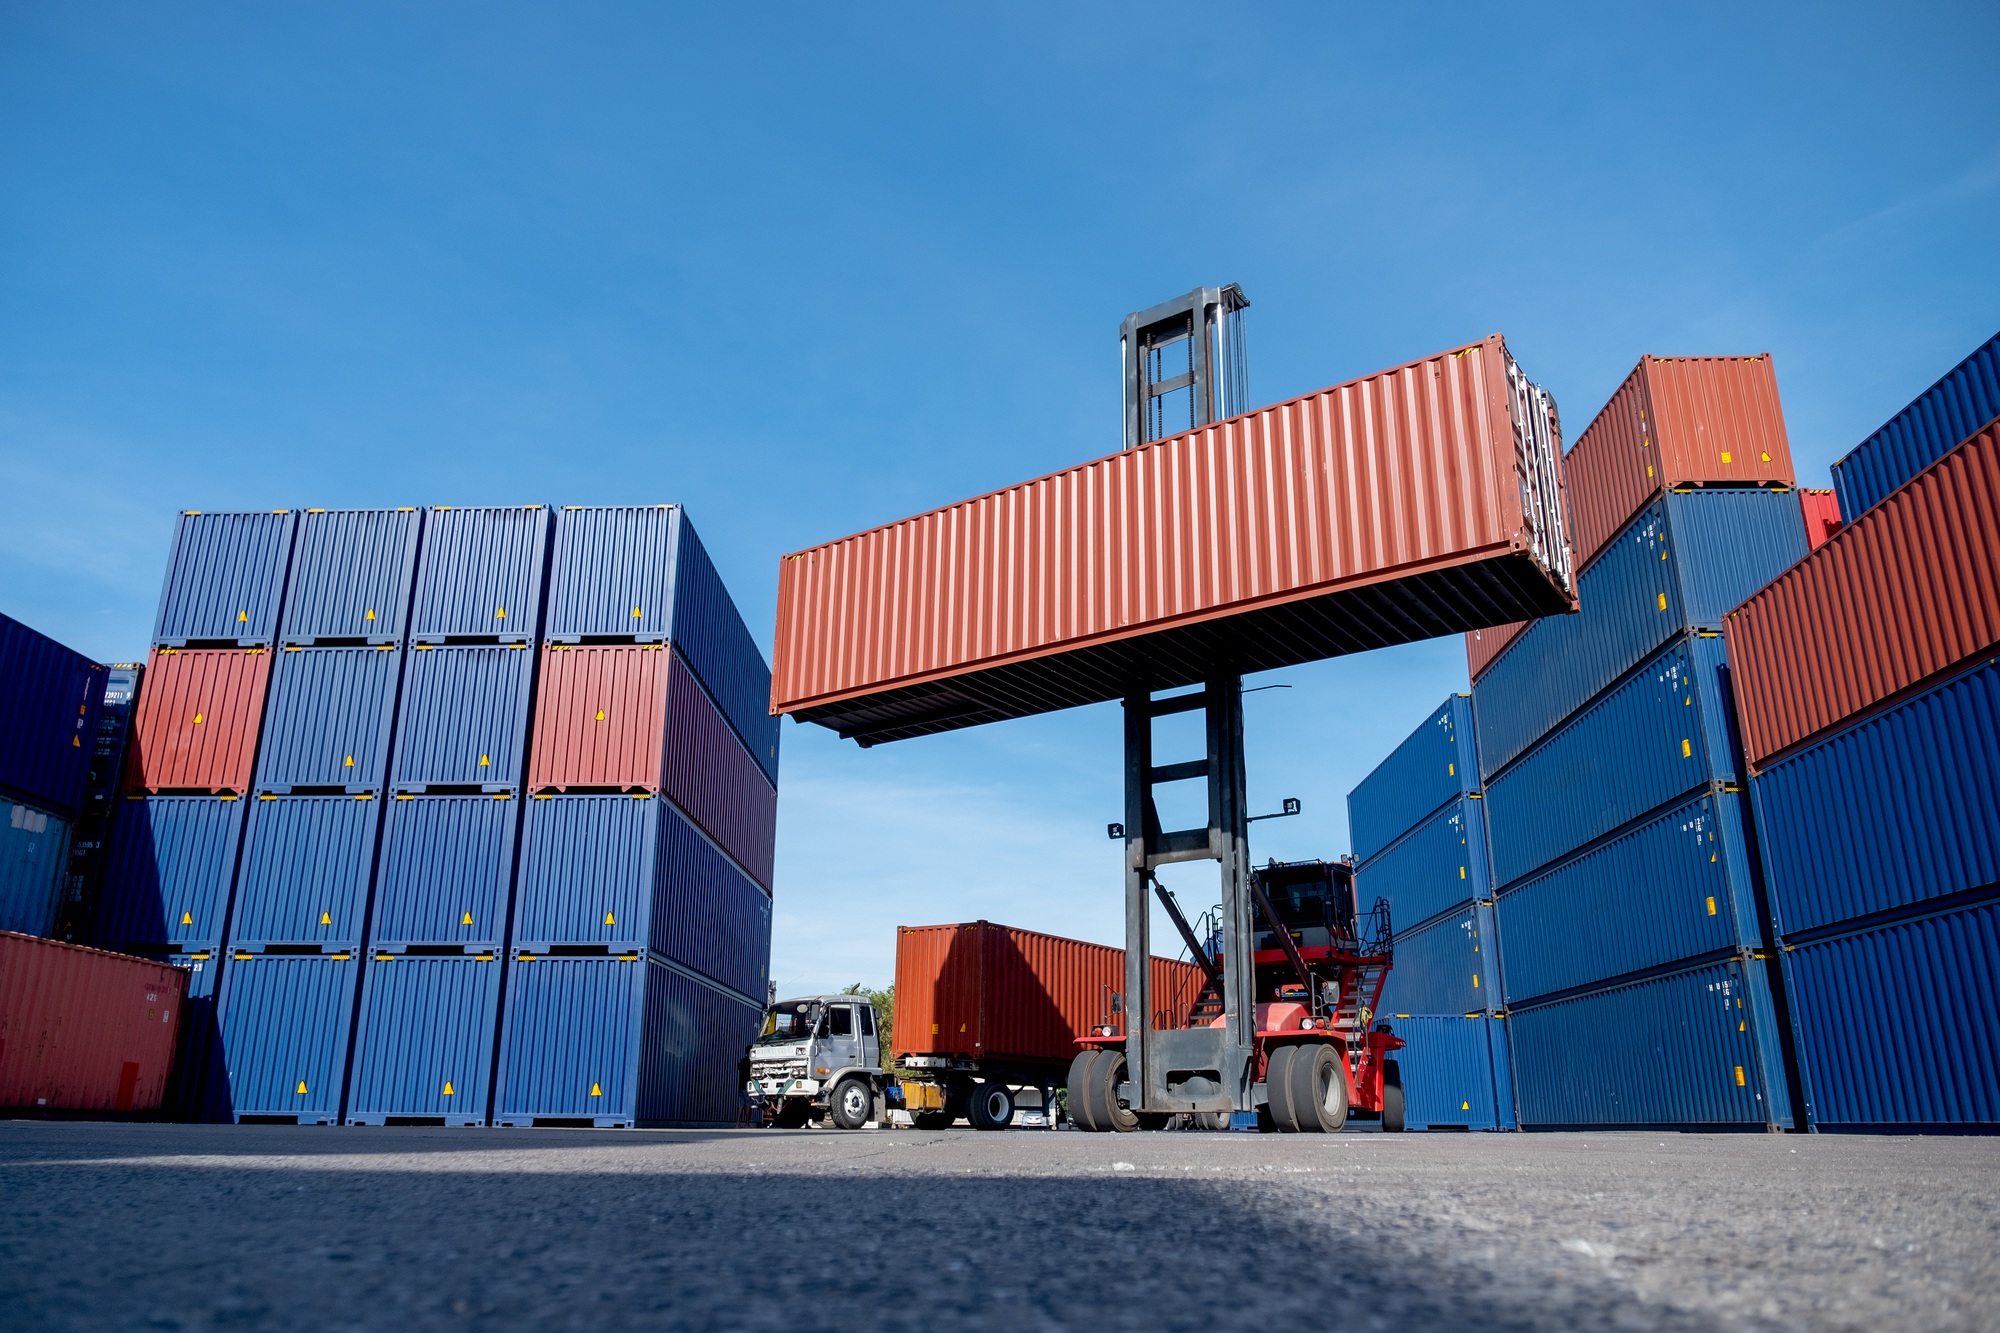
(1419, 828)
(49, 703)
(1632, 942)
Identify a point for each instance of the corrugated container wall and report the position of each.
(284, 1022)
(1435, 765)
(225, 579)
(83, 1030)
(1685, 562)
(464, 718)
(423, 1050)
(329, 718)
(996, 992)
(640, 573)
(1419, 501)
(1821, 511)
(1906, 592)
(1447, 967)
(306, 868)
(34, 847)
(351, 574)
(1455, 1072)
(49, 702)
(1957, 406)
(446, 865)
(197, 722)
(480, 574)
(172, 861)
(1437, 865)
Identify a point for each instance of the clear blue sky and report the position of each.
(809, 268)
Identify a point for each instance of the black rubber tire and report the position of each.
(851, 1104)
(1077, 1091)
(991, 1106)
(793, 1113)
(1318, 1076)
(1105, 1076)
(1278, 1089)
(1392, 1097)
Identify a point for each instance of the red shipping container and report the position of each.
(984, 991)
(632, 717)
(82, 1030)
(1420, 501)
(1676, 421)
(1907, 593)
(196, 724)
(1822, 514)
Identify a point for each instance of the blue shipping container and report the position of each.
(199, 1082)
(1671, 888)
(1447, 967)
(1436, 764)
(172, 861)
(34, 849)
(1659, 734)
(1686, 561)
(225, 578)
(327, 723)
(639, 572)
(620, 1042)
(630, 874)
(306, 864)
(480, 574)
(1898, 809)
(464, 718)
(1943, 417)
(1693, 1048)
(1433, 868)
(351, 575)
(49, 702)
(114, 732)
(446, 866)
(423, 1053)
(1455, 1073)
(284, 1022)
(1899, 1026)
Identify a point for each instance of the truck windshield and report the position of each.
(789, 1022)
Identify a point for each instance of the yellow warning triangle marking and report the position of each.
(467, 921)
(302, 1087)
(1465, 1106)
(501, 614)
(635, 613)
(325, 920)
(370, 615)
(187, 919)
(197, 719)
(447, 1089)
(242, 617)
(608, 921)
(600, 715)
(75, 743)
(484, 762)
(350, 762)
(595, 1091)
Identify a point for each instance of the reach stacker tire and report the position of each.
(1318, 1081)
(991, 1106)
(852, 1103)
(1278, 1089)
(1392, 1097)
(1074, 1098)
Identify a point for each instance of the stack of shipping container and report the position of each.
(90, 845)
(1419, 829)
(326, 793)
(49, 703)
(1868, 684)
(1631, 936)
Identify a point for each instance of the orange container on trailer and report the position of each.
(82, 1030)
(196, 724)
(990, 992)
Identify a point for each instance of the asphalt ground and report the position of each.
(172, 1227)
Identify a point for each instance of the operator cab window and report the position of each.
(867, 1021)
(840, 1021)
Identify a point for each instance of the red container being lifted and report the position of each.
(1904, 595)
(83, 1031)
(981, 991)
(1418, 501)
(196, 724)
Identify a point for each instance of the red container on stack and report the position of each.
(1822, 514)
(1676, 421)
(632, 717)
(195, 728)
(82, 1030)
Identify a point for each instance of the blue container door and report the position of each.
(306, 864)
(225, 578)
(587, 872)
(424, 1048)
(1436, 763)
(464, 718)
(570, 1042)
(446, 865)
(1450, 1079)
(1432, 868)
(696, 1035)
(707, 914)
(172, 860)
(327, 723)
(480, 574)
(351, 574)
(284, 1023)
(612, 573)
(34, 849)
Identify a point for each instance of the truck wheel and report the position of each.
(1392, 1097)
(1076, 1091)
(852, 1103)
(1318, 1078)
(991, 1106)
(1278, 1089)
(793, 1114)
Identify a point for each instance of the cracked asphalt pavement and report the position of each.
(177, 1227)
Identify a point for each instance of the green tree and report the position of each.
(885, 1014)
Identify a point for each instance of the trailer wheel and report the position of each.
(1392, 1097)
(1278, 1089)
(852, 1102)
(1318, 1078)
(1076, 1090)
(991, 1106)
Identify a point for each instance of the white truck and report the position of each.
(819, 1060)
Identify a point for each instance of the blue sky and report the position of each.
(811, 268)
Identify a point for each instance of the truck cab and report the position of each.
(818, 1058)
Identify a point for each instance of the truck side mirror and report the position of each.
(1117, 1002)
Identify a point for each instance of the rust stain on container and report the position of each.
(982, 990)
(196, 724)
(1406, 504)
(1908, 592)
(84, 1030)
